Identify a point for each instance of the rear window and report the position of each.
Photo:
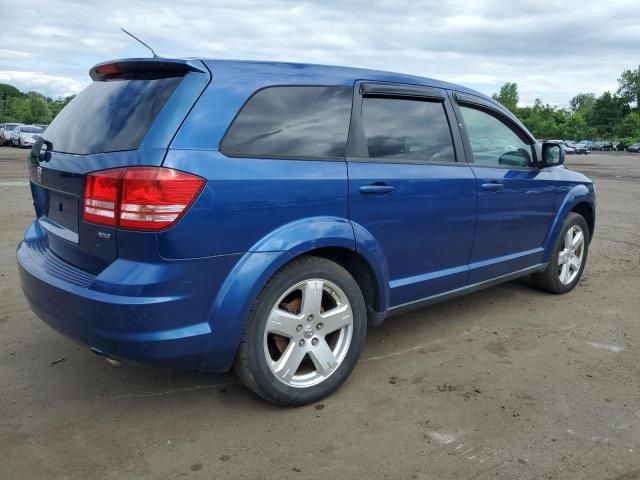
(109, 116)
(31, 130)
(292, 122)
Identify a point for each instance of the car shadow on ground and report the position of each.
(401, 335)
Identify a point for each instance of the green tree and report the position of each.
(7, 92)
(57, 105)
(629, 128)
(576, 128)
(629, 88)
(542, 120)
(607, 112)
(39, 108)
(508, 96)
(18, 109)
(582, 103)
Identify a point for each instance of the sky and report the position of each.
(551, 49)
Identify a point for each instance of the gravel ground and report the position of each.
(506, 383)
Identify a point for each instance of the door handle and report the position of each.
(376, 188)
(492, 186)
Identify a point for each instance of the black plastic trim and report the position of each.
(423, 302)
(400, 90)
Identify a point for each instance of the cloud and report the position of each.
(54, 86)
(552, 51)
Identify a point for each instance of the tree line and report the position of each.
(611, 116)
(31, 107)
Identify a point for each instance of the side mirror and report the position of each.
(552, 154)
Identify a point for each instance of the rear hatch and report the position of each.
(126, 117)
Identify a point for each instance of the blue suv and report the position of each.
(259, 216)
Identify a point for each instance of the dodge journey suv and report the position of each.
(259, 216)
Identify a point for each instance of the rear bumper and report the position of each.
(143, 313)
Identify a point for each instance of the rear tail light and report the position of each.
(139, 198)
(101, 197)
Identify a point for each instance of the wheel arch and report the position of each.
(364, 275)
(586, 210)
(328, 237)
(579, 199)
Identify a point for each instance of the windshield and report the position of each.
(31, 130)
(109, 116)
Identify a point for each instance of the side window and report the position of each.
(493, 143)
(292, 122)
(404, 129)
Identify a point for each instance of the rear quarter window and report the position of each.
(109, 116)
(291, 122)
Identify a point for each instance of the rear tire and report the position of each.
(568, 258)
(304, 335)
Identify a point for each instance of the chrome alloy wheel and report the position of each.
(571, 255)
(308, 333)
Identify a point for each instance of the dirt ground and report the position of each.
(507, 383)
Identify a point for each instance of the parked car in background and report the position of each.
(5, 132)
(619, 146)
(587, 143)
(579, 148)
(568, 149)
(604, 146)
(25, 135)
(634, 147)
(43, 126)
(262, 218)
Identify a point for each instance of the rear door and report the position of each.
(410, 187)
(125, 117)
(516, 199)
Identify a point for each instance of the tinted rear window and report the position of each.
(292, 122)
(31, 129)
(402, 129)
(109, 116)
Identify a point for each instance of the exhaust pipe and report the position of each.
(113, 362)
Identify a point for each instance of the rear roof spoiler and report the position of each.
(141, 68)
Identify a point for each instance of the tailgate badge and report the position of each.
(39, 174)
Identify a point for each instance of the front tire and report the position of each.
(304, 335)
(568, 258)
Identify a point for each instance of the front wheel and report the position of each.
(305, 334)
(568, 259)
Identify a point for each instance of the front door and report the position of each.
(516, 199)
(410, 188)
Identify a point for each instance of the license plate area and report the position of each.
(63, 210)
